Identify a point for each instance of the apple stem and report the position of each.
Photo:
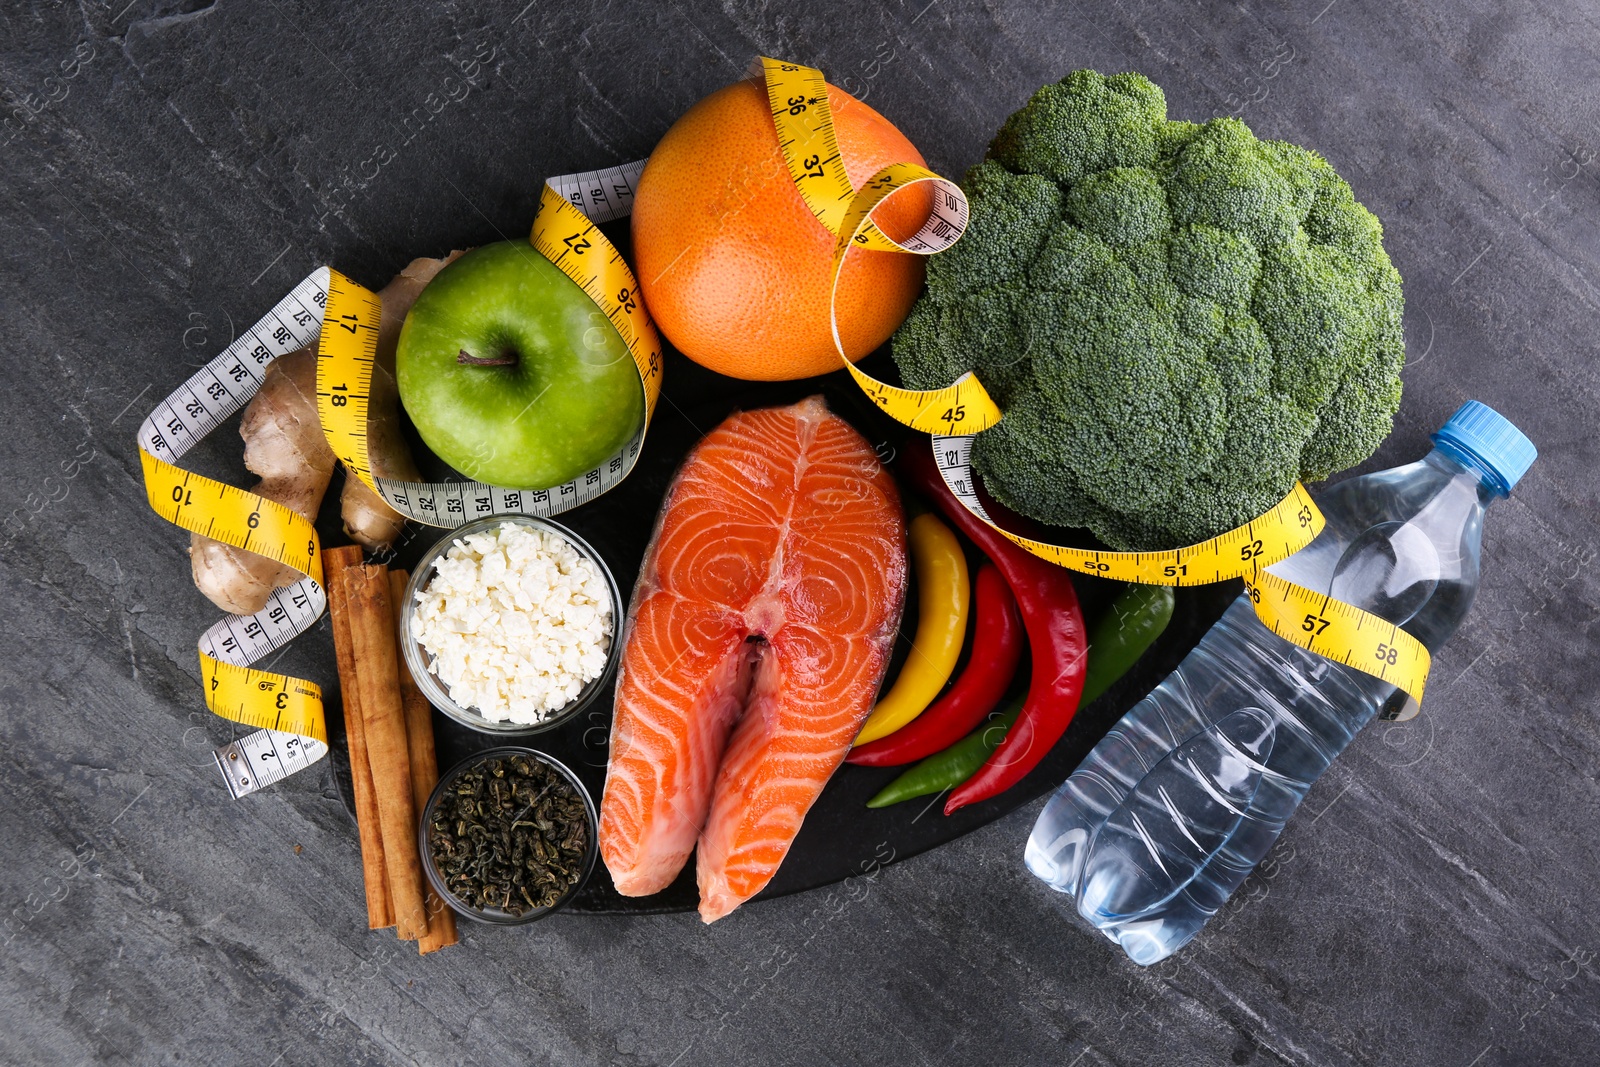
(467, 359)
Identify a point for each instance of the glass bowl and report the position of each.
(419, 661)
(496, 916)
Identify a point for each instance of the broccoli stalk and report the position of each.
(1177, 320)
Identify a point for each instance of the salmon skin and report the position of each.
(757, 636)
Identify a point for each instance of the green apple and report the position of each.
(511, 373)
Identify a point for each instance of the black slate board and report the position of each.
(841, 837)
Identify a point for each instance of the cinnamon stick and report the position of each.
(380, 912)
(372, 640)
(424, 773)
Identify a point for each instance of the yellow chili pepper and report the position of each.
(942, 597)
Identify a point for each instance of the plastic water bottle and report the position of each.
(1180, 801)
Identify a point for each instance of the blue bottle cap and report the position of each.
(1489, 438)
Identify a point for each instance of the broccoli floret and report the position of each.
(1178, 320)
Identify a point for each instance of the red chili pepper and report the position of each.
(996, 650)
(1056, 637)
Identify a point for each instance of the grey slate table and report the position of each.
(170, 168)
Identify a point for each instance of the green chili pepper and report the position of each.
(948, 769)
(1128, 628)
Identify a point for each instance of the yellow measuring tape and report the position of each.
(287, 712)
(343, 318)
(798, 96)
(566, 231)
(1312, 620)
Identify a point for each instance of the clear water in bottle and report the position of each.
(1179, 802)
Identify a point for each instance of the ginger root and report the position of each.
(367, 518)
(283, 443)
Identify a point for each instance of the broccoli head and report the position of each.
(1177, 320)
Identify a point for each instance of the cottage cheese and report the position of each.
(517, 622)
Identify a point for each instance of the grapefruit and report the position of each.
(733, 266)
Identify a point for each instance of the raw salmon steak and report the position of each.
(757, 636)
